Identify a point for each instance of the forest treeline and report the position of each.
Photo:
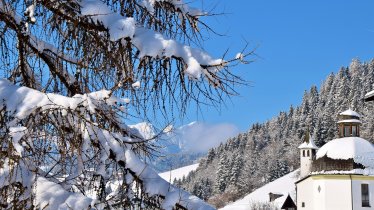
(268, 150)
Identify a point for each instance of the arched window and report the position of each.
(307, 153)
(303, 153)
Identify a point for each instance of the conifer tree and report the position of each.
(222, 174)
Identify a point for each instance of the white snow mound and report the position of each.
(284, 185)
(178, 173)
(350, 112)
(346, 148)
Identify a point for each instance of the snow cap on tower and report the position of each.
(308, 142)
(350, 113)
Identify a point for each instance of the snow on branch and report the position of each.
(22, 102)
(50, 195)
(150, 43)
(179, 4)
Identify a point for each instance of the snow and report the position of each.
(17, 133)
(348, 148)
(284, 185)
(126, 100)
(119, 26)
(31, 12)
(149, 42)
(178, 173)
(21, 102)
(366, 172)
(349, 121)
(350, 112)
(51, 196)
(239, 56)
(308, 145)
(369, 94)
(154, 184)
(146, 130)
(179, 4)
(11, 174)
(136, 85)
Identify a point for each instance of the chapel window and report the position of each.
(354, 131)
(347, 131)
(365, 195)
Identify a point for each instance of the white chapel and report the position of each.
(340, 174)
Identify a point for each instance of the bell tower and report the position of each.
(349, 124)
(307, 154)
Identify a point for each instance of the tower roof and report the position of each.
(370, 95)
(349, 117)
(350, 112)
(350, 121)
(308, 143)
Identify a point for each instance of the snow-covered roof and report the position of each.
(308, 145)
(350, 112)
(350, 121)
(369, 94)
(366, 172)
(346, 148)
(284, 185)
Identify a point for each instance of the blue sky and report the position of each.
(298, 42)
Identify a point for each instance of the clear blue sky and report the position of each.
(298, 42)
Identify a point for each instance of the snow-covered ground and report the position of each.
(284, 185)
(178, 173)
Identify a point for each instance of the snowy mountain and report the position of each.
(284, 185)
(186, 144)
(145, 130)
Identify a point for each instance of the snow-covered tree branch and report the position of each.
(70, 71)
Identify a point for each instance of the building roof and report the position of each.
(350, 112)
(308, 143)
(357, 171)
(356, 148)
(369, 96)
(350, 121)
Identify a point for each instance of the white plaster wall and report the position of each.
(335, 194)
(357, 204)
(305, 194)
(319, 198)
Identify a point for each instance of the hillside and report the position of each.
(269, 150)
(178, 173)
(284, 185)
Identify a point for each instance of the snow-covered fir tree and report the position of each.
(222, 174)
